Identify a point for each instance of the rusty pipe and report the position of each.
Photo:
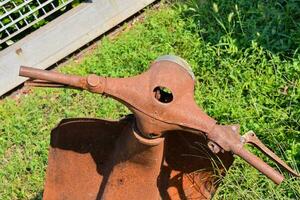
(51, 76)
(257, 163)
(135, 167)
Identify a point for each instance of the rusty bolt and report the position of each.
(93, 80)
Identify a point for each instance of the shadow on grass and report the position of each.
(39, 195)
(273, 24)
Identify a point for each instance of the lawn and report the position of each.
(247, 66)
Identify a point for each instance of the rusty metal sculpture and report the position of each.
(168, 149)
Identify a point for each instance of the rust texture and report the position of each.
(154, 156)
(101, 159)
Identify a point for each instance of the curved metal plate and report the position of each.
(84, 154)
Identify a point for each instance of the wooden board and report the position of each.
(62, 36)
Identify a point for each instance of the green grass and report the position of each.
(239, 80)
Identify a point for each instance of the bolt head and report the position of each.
(93, 80)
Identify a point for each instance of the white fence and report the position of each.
(60, 37)
(18, 15)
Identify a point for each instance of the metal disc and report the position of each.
(178, 60)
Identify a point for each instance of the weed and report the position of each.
(273, 24)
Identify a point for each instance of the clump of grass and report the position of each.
(273, 24)
(248, 85)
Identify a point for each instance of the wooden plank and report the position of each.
(63, 36)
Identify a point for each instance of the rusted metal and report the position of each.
(101, 159)
(78, 158)
(251, 138)
(162, 102)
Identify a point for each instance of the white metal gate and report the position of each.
(18, 15)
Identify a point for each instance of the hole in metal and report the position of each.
(163, 94)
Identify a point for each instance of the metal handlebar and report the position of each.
(158, 111)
